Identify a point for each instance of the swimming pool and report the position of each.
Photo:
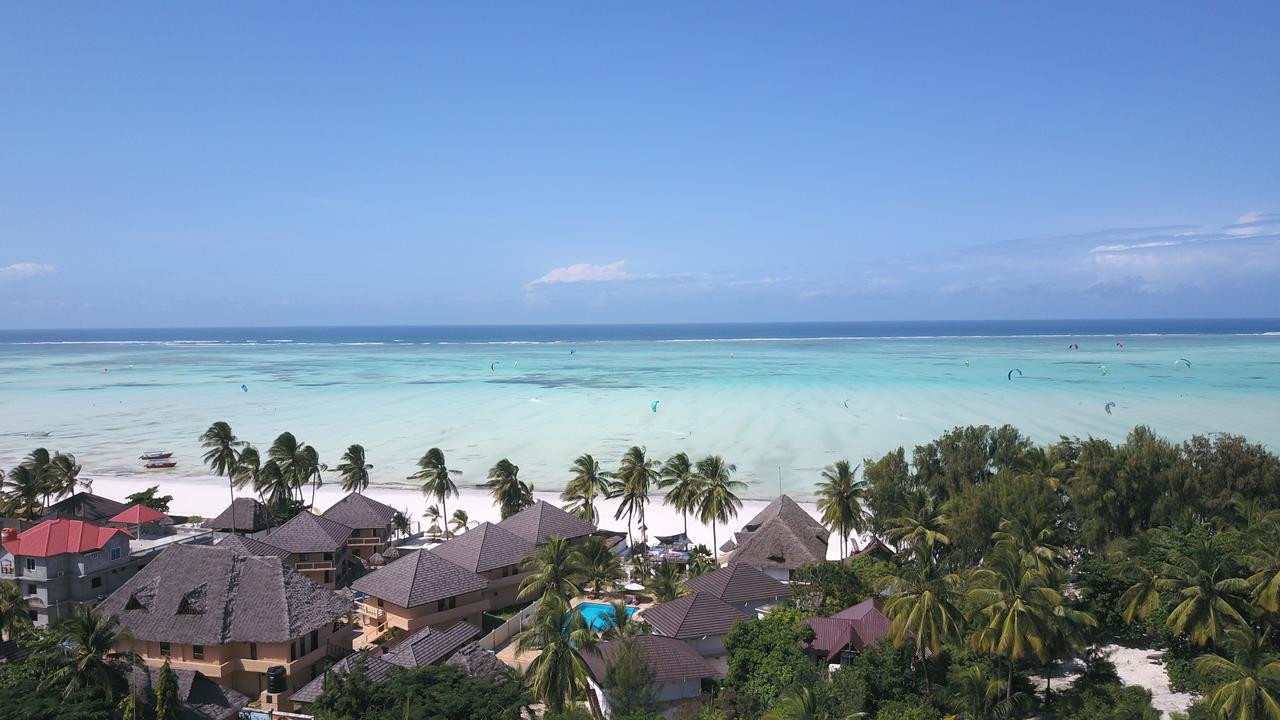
(599, 616)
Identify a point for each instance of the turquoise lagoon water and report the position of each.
(780, 401)
(599, 617)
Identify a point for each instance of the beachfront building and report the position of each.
(243, 515)
(698, 619)
(84, 506)
(62, 563)
(495, 553)
(419, 589)
(232, 618)
(371, 523)
(745, 587)
(542, 520)
(317, 547)
(849, 631)
(678, 671)
(779, 539)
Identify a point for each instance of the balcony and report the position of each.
(365, 542)
(314, 565)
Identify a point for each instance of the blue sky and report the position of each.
(278, 164)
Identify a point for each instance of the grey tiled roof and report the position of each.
(250, 516)
(787, 509)
(210, 595)
(429, 646)
(84, 506)
(542, 520)
(375, 668)
(693, 616)
(308, 532)
(476, 661)
(200, 698)
(419, 578)
(360, 511)
(738, 583)
(670, 659)
(486, 547)
(249, 546)
(782, 535)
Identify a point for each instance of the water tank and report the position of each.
(8, 534)
(276, 680)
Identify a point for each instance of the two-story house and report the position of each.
(494, 553)
(317, 547)
(420, 589)
(747, 588)
(62, 563)
(232, 618)
(542, 520)
(371, 523)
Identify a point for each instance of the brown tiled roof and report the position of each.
(670, 659)
(738, 583)
(360, 511)
(787, 509)
(782, 535)
(199, 697)
(693, 616)
(250, 516)
(210, 595)
(869, 620)
(308, 532)
(543, 520)
(830, 635)
(375, 668)
(419, 578)
(856, 627)
(249, 546)
(84, 506)
(486, 547)
(429, 646)
(874, 548)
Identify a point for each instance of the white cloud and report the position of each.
(585, 272)
(1134, 246)
(18, 271)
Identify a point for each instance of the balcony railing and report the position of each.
(315, 565)
(364, 541)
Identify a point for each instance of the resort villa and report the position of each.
(678, 671)
(779, 539)
(698, 619)
(248, 623)
(494, 553)
(372, 524)
(317, 547)
(849, 630)
(62, 563)
(542, 520)
(419, 589)
(745, 587)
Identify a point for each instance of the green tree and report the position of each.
(628, 681)
(683, 485)
(719, 501)
(840, 500)
(599, 566)
(1015, 603)
(556, 572)
(84, 656)
(14, 616)
(354, 470)
(766, 657)
(923, 607)
(151, 498)
(460, 521)
(61, 475)
(798, 703)
(22, 499)
(222, 455)
(433, 692)
(665, 583)
(167, 702)
(558, 674)
(1252, 686)
(511, 493)
(974, 694)
(588, 483)
(437, 479)
(290, 455)
(636, 474)
(1212, 596)
(311, 470)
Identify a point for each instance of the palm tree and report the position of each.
(1016, 601)
(38, 462)
(511, 494)
(719, 501)
(248, 469)
(682, 484)
(460, 521)
(619, 623)
(558, 673)
(799, 703)
(924, 607)
(22, 500)
(1065, 639)
(87, 657)
(840, 499)
(588, 483)
(437, 479)
(1212, 598)
(599, 565)
(13, 610)
(354, 470)
(311, 469)
(922, 531)
(1036, 539)
(1251, 686)
(400, 521)
(975, 695)
(636, 474)
(60, 475)
(276, 488)
(665, 583)
(556, 572)
(291, 456)
(222, 455)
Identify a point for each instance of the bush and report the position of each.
(766, 657)
(915, 708)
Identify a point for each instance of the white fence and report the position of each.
(508, 629)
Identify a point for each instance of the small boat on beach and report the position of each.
(155, 455)
(161, 464)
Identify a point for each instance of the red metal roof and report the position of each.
(56, 537)
(139, 515)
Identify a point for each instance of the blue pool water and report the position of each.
(599, 616)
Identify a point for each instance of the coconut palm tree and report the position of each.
(1036, 538)
(222, 455)
(460, 521)
(354, 470)
(800, 703)
(437, 479)
(13, 610)
(600, 567)
(291, 456)
(924, 607)
(400, 522)
(509, 492)
(86, 655)
(1251, 677)
(619, 623)
(248, 469)
(311, 469)
(588, 483)
(666, 583)
(719, 501)
(840, 500)
(922, 531)
(636, 474)
(276, 489)
(1213, 599)
(976, 695)
(38, 461)
(1015, 603)
(60, 475)
(556, 572)
(22, 499)
(558, 673)
(682, 483)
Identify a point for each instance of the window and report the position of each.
(197, 652)
(96, 582)
(31, 588)
(446, 604)
(115, 553)
(253, 651)
(164, 648)
(379, 602)
(328, 576)
(31, 563)
(303, 557)
(328, 556)
(33, 615)
(315, 639)
(293, 651)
